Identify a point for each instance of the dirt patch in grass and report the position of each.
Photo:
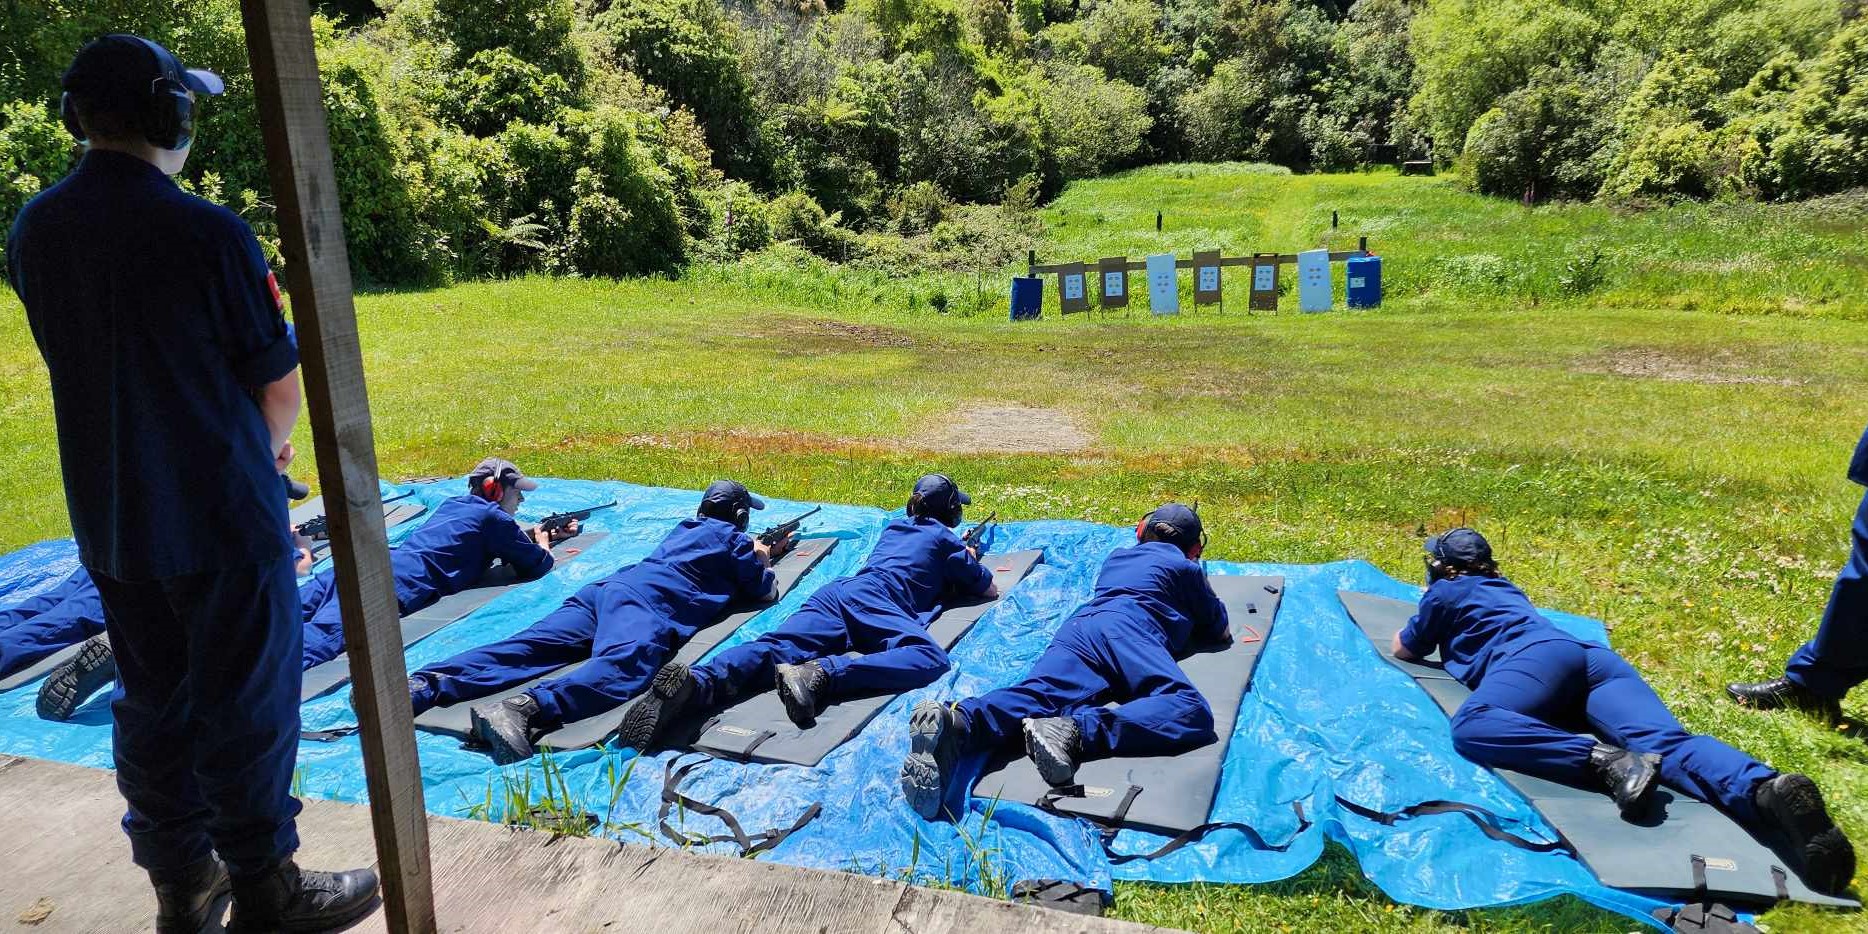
(1723, 367)
(817, 335)
(1008, 429)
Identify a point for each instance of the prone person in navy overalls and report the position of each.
(451, 552)
(882, 613)
(1151, 606)
(48, 622)
(1534, 685)
(622, 628)
(1828, 666)
(174, 389)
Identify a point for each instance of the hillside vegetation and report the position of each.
(479, 139)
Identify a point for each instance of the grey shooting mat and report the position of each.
(42, 667)
(1164, 794)
(1666, 855)
(314, 507)
(454, 721)
(757, 729)
(419, 625)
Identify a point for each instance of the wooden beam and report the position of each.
(317, 271)
(1283, 259)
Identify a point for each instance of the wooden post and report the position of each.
(311, 234)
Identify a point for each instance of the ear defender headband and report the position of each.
(167, 117)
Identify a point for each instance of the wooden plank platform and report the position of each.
(64, 861)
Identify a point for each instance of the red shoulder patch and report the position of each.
(272, 282)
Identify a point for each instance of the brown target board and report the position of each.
(1113, 281)
(1073, 288)
(1264, 282)
(1206, 278)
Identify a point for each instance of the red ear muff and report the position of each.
(1141, 528)
(1194, 553)
(490, 488)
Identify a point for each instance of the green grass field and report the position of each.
(1660, 443)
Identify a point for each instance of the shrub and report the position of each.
(1094, 124)
(35, 151)
(495, 88)
(1824, 147)
(1544, 140)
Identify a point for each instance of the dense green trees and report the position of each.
(623, 137)
(1646, 99)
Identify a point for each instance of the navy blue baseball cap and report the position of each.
(732, 494)
(501, 471)
(1184, 522)
(939, 493)
(119, 70)
(1461, 546)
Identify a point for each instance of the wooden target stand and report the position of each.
(1109, 280)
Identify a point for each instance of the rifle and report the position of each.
(781, 531)
(557, 521)
(977, 534)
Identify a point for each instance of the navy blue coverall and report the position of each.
(158, 321)
(45, 623)
(1535, 686)
(1151, 606)
(622, 627)
(881, 612)
(448, 554)
(1837, 659)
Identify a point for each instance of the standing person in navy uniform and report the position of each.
(1828, 666)
(622, 628)
(881, 613)
(175, 388)
(1533, 684)
(1108, 685)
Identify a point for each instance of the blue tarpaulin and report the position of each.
(1325, 718)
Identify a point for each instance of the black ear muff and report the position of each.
(68, 114)
(742, 518)
(169, 115)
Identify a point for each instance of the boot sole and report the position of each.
(1056, 772)
(922, 782)
(70, 684)
(646, 720)
(1828, 857)
(331, 922)
(797, 710)
(502, 750)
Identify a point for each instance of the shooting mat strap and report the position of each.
(454, 721)
(1163, 794)
(1694, 851)
(757, 729)
(419, 625)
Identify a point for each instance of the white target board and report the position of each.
(1163, 285)
(1315, 291)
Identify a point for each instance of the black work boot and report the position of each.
(1628, 776)
(668, 698)
(76, 679)
(1781, 693)
(185, 896)
(290, 899)
(802, 688)
(505, 728)
(936, 732)
(1793, 806)
(1054, 744)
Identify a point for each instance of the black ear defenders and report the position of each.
(166, 117)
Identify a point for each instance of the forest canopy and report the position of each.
(477, 138)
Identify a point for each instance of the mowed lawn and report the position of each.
(1664, 449)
